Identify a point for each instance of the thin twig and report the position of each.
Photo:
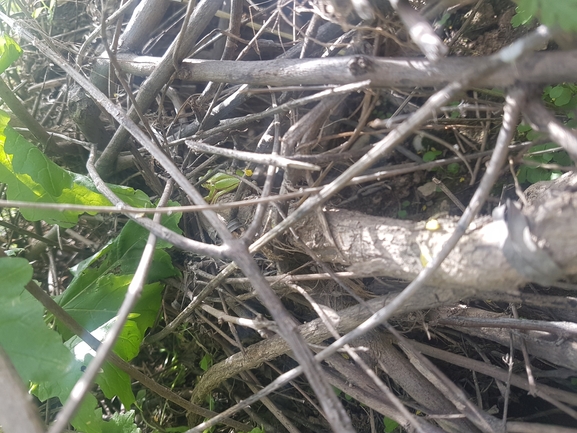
(259, 158)
(511, 112)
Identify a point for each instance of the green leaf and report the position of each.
(113, 381)
(36, 351)
(563, 98)
(537, 174)
(532, 135)
(121, 423)
(10, 51)
(100, 282)
(206, 362)
(99, 287)
(562, 13)
(526, 9)
(522, 127)
(556, 91)
(522, 174)
(453, 168)
(431, 155)
(562, 158)
(116, 383)
(32, 177)
(390, 425)
(23, 333)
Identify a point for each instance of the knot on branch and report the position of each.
(360, 65)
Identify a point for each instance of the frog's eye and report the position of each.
(246, 172)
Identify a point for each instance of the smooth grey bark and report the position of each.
(146, 17)
(199, 20)
(550, 67)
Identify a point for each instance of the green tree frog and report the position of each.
(222, 183)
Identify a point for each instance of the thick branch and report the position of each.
(396, 248)
(547, 67)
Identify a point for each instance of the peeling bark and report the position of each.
(379, 246)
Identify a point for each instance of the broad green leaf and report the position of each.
(127, 346)
(99, 302)
(564, 98)
(537, 174)
(36, 351)
(562, 13)
(32, 177)
(101, 281)
(10, 51)
(556, 91)
(562, 158)
(23, 333)
(522, 174)
(113, 381)
(526, 10)
(98, 289)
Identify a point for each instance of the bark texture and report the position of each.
(377, 246)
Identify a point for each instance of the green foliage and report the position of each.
(100, 282)
(97, 291)
(36, 351)
(22, 316)
(532, 174)
(390, 425)
(454, 168)
(562, 95)
(32, 177)
(432, 155)
(10, 51)
(562, 13)
(206, 362)
(93, 298)
(402, 213)
(121, 423)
